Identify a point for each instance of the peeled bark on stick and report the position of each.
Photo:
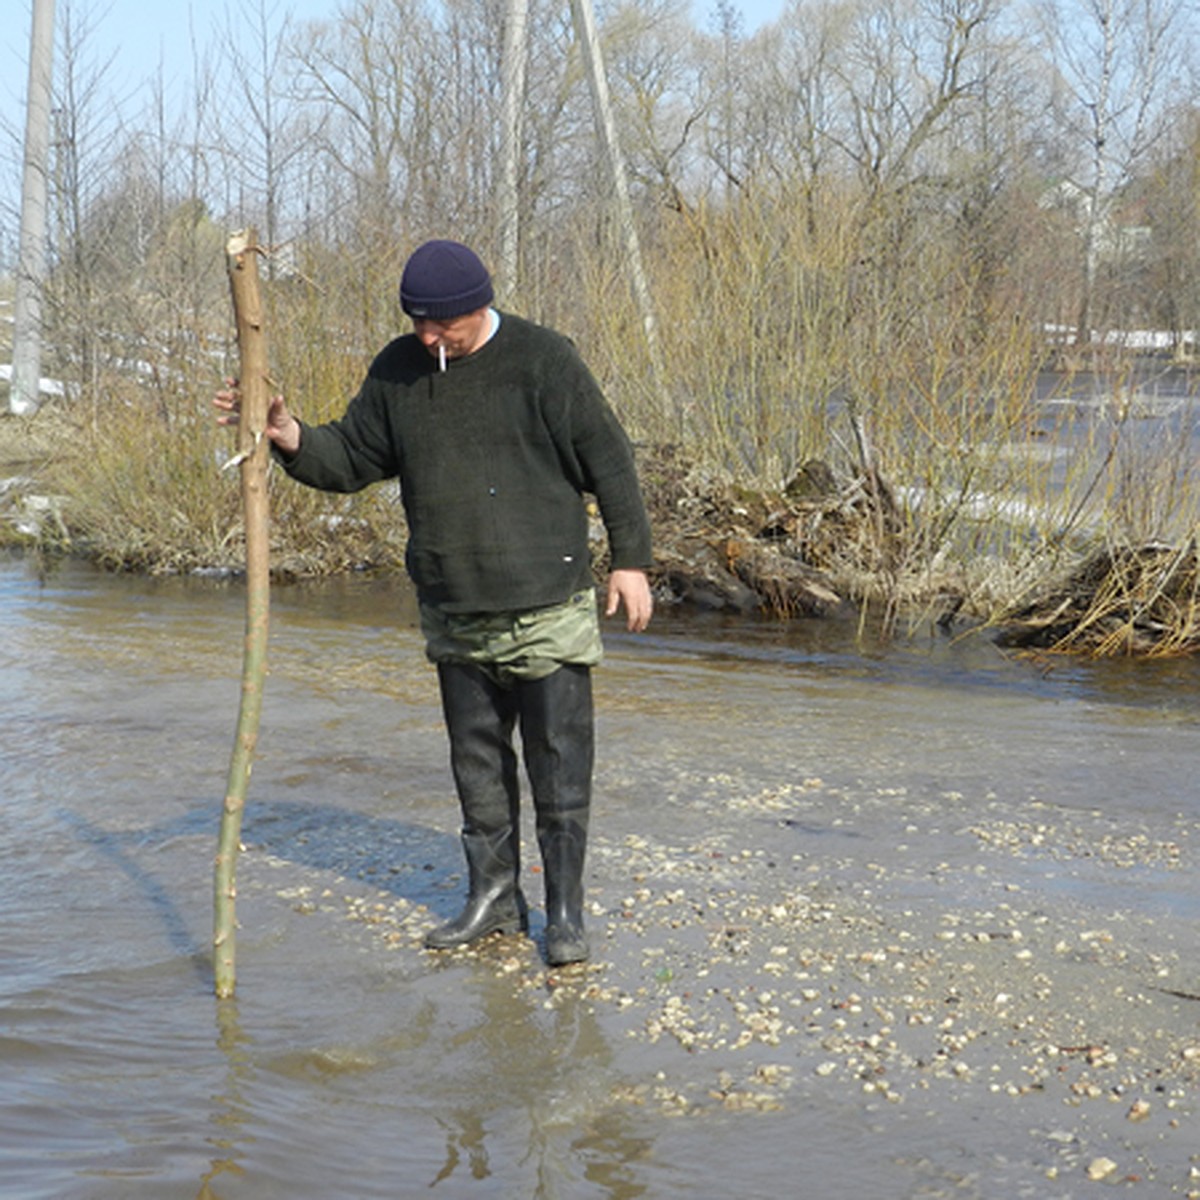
(253, 453)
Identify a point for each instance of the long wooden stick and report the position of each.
(253, 449)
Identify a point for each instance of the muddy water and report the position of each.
(800, 843)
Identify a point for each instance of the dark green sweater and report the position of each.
(493, 456)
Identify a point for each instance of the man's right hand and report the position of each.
(282, 429)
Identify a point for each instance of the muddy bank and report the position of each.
(825, 546)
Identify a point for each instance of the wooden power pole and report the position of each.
(31, 251)
(584, 18)
(515, 56)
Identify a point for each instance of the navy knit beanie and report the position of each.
(442, 280)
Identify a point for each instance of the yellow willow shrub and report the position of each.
(149, 492)
(866, 338)
(943, 384)
(754, 307)
(584, 291)
(330, 310)
(747, 323)
(1152, 493)
(145, 490)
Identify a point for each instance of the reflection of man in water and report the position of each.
(496, 429)
(556, 1103)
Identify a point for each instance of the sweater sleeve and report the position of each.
(348, 454)
(605, 458)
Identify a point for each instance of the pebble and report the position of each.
(1100, 1168)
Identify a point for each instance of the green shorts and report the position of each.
(510, 646)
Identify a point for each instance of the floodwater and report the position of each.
(352, 1063)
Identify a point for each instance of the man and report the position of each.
(495, 429)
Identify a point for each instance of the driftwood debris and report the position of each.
(1120, 601)
(786, 586)
(729, 548)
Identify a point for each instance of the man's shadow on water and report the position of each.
(401, 858)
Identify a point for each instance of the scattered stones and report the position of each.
(753, 975)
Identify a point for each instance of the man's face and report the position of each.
(459, 336)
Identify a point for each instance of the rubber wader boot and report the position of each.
(557, 737)
(480, 716)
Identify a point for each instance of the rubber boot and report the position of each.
(480, 716)
(558, 742)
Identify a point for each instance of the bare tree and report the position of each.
(909, 70)
(585, 25)
(724, 142)
(88, 131)
(658, 95)
(801, 88)
(1171, 198)
(360, 76)
(559, 149)
(1119, 62)
(263, 130)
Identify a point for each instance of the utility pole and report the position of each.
(584, 19)
(513, 60)
(31, 252)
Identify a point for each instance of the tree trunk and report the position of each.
(242, 251)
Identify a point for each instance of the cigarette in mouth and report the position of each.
(441, 357)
